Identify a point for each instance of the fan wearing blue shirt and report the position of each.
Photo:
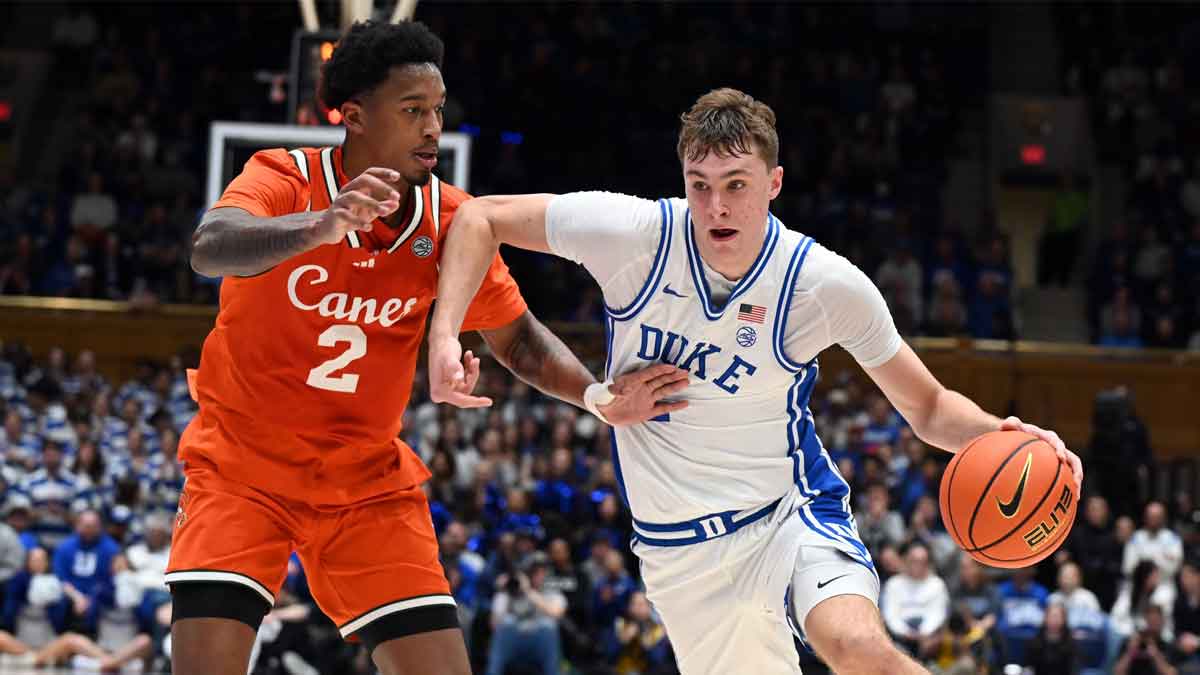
(84, 559)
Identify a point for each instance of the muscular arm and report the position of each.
(939, 416)
(480, 225)
(232, 242)
(539, 357)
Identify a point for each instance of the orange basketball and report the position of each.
(1007, 499)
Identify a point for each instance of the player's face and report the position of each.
(729, 197)
(401, 121)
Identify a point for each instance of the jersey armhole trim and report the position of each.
(784, 305)
(656, 270)
(302, 165)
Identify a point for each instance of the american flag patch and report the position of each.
(752, 313)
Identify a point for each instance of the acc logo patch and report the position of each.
(422, 246)
(746, 337)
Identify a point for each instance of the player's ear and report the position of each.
(776, 181)
(353, 116)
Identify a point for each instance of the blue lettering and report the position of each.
(666, 352)
(732, 374)
(645, 351)
(699, 353)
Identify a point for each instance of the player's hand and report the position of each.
(452, 374)
(640, 394)
(1071, 459)
(373, 194)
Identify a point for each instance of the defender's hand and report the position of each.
(640, 394)
(371, 195)
(452, 374)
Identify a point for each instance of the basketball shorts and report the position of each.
(736, 603)
(370, 564)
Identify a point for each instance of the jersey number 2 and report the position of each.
(346, 383)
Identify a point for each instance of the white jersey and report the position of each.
(747, 437)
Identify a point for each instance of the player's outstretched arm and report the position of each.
(525, 346)
(233, 242)
(480, 225)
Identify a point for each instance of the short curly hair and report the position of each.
(728, 122)
(367, 52)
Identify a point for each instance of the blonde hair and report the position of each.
(728, 122)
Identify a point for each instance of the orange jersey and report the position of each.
(304, 379)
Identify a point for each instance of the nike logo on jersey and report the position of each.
(1009, 509)
(660, 345)
(668, 291)
(823, 584)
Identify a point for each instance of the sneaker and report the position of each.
(294, 664)
(81, 662)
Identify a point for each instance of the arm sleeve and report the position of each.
(269, 185)
(498, 301)
(615, 237)
(856, 314)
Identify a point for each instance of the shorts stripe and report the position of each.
(394, 607)
(226, 577)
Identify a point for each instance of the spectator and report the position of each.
(95, 210)
(12, 555)
(612, 590)
(914, 603)
(947, 313)
(1023, 604)
(83, 561)
(566, 578)
(53, 492)
(1187, 618)
(1123, 333)
(36, 604)
(879, 526)
(1071, 595)
(1053, 651)
(977, 602)
(1148, 652)
(925, 526)
(1152, 260)
(1155, 543)
(19, 516)
(147, 560)
(1138, 593)
(1060, 241)
(637, 642)
(525, 617)
(899, 279)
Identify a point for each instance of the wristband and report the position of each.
(597, 394)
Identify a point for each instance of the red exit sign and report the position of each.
(1033, 154)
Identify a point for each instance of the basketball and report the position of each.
(1007, 499)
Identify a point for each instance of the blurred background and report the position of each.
(1021, 181)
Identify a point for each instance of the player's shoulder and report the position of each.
(279, 163)
(822, 265)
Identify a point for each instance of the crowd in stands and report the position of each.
(535, 538)
(865, 141)
(1134, 69)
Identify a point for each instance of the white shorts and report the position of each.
(733, 604)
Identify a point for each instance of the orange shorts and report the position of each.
(363, 562)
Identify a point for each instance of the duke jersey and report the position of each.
(747, 436)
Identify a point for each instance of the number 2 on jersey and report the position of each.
(346, 383)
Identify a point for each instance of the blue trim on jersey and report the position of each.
(785, 304)
(820, 485)
(608, 343)
(696, 526)
(656, 270)
(697, 267)
(616, 455)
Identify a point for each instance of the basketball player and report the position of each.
(330, 258)
(742, 523)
